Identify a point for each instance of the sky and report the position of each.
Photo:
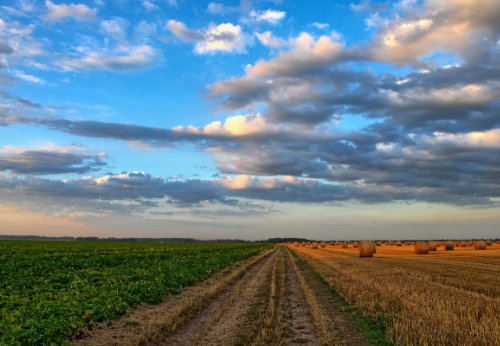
(250, 119)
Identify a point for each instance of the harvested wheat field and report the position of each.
(435, 298)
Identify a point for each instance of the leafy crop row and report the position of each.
(50, 290)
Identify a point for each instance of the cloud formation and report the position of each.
(48, 160)
(77, 12)
(223, 37)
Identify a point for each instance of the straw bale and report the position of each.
(449, 246)
(314, 245)
(421, 248)
(480, 245)
(365, 249)
(432, 246)
(345, 245)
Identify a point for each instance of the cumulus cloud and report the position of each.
(284, 83)
(440, 26)
(77, 12)
(269, 16)
(223, 37)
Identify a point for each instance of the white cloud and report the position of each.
(149, 5)
(78, 12)
(321, 25)
(270, 16)
(121, 58)
(267, 39)
(115, 28)
(239, 125)
(218, 8)
(28, 77)
(223, 37)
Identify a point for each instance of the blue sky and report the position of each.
(250, 119)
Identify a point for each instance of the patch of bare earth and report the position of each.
(218, 324)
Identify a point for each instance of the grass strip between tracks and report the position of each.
(373, 328)
(266, 322)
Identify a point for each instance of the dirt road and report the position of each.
(272, 301)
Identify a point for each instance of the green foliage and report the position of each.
(51, 290)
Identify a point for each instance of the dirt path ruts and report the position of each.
(299, 323)
(335, 327)
(217, 325)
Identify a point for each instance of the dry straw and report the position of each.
(480, 245)
(345, 245)
(432, 246)
(314, 245)
(449, 246)
(365, 249)
(421, 248)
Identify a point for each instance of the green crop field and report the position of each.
(50, 290)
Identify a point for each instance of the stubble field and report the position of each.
(442, 298)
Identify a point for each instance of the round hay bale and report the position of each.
(421, 248)
(355, 244)
(463, 244)
(365, 249)
(374, 246)
(391, 243)
(480, 245)
(378, 243)
(449, 246)
(314, 245)
(322, 244)
(489, 242)
(432, 246)
(345, 245)
(296, 244)
(398, 243)
(470, 243)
